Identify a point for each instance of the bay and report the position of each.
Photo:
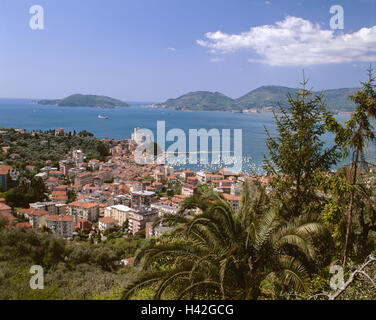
(20, 113)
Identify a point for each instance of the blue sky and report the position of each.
(151, 50)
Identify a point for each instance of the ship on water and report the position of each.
(103, 117)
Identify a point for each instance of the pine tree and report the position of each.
(298, 153)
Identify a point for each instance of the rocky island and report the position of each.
(81, 100)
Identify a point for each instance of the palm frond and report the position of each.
(189, 289)
(293, 274)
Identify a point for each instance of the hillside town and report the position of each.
(116, 192)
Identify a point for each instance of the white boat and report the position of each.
(102, 117)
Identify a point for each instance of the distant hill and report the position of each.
(264, 97)
(338, 99)
(272, 96)
(201, 101)
(80, 100)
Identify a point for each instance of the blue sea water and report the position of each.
(20, 113)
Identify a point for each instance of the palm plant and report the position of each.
(360, 133)
(220, 254)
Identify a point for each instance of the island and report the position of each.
(81, 100)
(263, 99)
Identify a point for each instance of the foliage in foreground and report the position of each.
(280, 245)
(227, 255)
(72, 270)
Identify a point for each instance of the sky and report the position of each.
(152, 50)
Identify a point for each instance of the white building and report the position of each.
(61, 225)
(169, 171)
(157, 231)
(118, 212)
(43, 175)
(37, 218)
(78, 156)
(140, 137)
(106, 223)
(164, 208)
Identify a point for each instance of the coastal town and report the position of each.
(81, 207)
(115, 193)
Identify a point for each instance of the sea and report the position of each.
(22, 114)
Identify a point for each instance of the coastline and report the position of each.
(267, 110)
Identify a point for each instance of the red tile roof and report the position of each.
(39, 213)
(9, 217)
(231, 197)
(24, 225)
(5, 170)
(108, 220)
(85, 205)
(27, 211)
(4, 207)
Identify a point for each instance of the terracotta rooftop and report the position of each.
(85, 205)
(5, 170)
(108, 220)
(231, 197)
(24, 225)
(9, 217)
(38, 213)
(4, 207)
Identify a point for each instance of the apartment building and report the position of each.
(157, 231)
(37, 218)
(52, 207)
(4, 177)
(83, 178)
(61, 225)
(234, 201)
(185, 174)
(138, 219)
(142, 199)
(192, 181)
(78, 156)
(165, 207)
(188, 190)
(65, 166)
(84, 210)
(118, 212)
(106, 223)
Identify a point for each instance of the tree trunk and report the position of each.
(350, 211)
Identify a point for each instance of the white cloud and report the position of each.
(267, 2)
(297, 42)
(216, 59)
(171, 49)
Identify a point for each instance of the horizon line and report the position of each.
(158, 102)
